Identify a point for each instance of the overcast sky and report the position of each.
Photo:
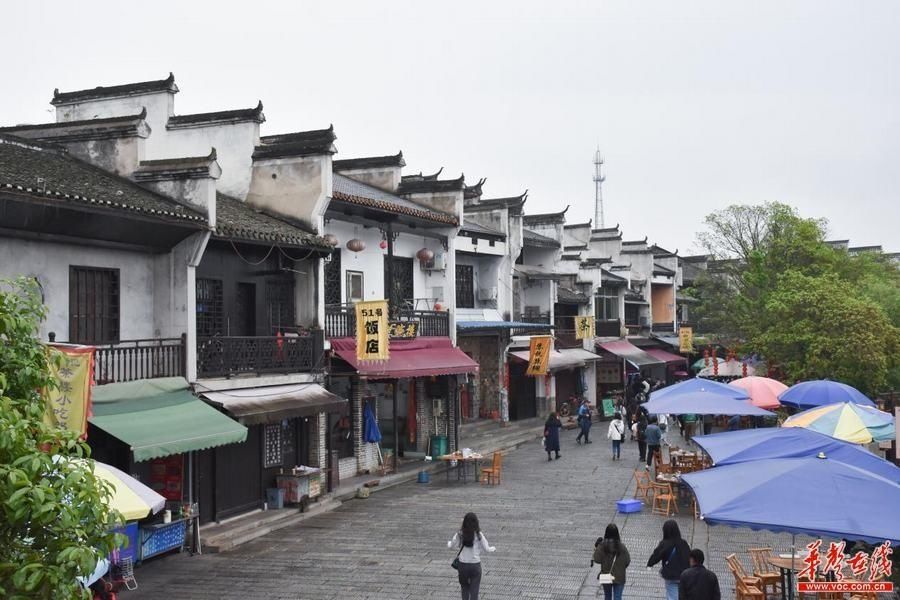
(695, 105)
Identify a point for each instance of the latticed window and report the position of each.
(333, 279)
(607, 304)
(465, 286)
(210, 312)
(280, 305)
(93, 305)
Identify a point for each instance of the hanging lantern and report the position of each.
(331, 239)
(744, 368)
(438, 306)
(706, 358)
(424, 255)
(356, 245)
(382, 244)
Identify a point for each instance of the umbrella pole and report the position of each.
(793, 558)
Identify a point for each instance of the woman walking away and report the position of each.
(612, 556)
(551, 435)
(674, 553)
(616, 433)
(471, 543)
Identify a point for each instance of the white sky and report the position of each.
(695, 105)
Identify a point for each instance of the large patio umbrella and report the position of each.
(703, 402)
(702, 385)
(129, 496)
(731, 368)
(812, 496)
(763, 390)
(847, 421)
(732, 447)
(809, 394)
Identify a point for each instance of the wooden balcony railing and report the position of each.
(225, 356)
(608, 328)
(128, 360)
(340, 321)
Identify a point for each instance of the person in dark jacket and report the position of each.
(653, 439)
(641, 438)
(551, 435)
(698, 582)
(612, 556)
(673, 552)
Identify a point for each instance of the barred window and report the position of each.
(93, 305)
(210, 312)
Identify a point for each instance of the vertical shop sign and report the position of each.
(372, 330)
(539, 355)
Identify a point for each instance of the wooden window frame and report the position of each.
(362, 285)
(107, 329)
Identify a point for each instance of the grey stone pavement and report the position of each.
(543, 520)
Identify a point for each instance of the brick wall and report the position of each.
(486, 351)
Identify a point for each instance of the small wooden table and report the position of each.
(787, 566)
(462, 465)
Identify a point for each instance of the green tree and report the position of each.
(56, 520)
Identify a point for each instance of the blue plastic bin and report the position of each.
(629, 505)
(275, 498)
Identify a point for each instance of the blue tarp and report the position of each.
(733, 447)
(809, 394)
(812, 496)
(706, 385)
(702, 402)
(371, 433)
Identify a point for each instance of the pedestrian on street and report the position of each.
(639, 430)
(653, 438)
(585, 418)
(673, 552)
(471, 543)
(551, 435)
(698, 582)
(689, 422)
(612, 556)
(708, 421)
(616, 433)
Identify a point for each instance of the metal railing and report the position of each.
(340, 321)
(225, 356)
(129, 360)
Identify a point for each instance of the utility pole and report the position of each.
(599, 220)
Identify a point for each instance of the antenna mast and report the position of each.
(598, 191)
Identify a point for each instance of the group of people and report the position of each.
(682, 570)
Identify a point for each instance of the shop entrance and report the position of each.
(522, 396)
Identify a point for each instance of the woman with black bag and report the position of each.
(612, 556)
(673, 552)
(468, 559)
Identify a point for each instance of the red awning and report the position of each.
(667, 357)
(630, 352)
(421, 357)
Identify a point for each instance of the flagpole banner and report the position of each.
(539, 355)
(68, 405)
(686, 339)
(584, 328)
(372, 330)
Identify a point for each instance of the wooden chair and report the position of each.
(643, 485)
(747, 592)
(664, 500)
(660, 466)
(741, 578)
(762, 569)
(695, 506)
(491, 474)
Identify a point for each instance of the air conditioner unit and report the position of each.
(435, 264)
(487, 293)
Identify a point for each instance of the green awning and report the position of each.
(161, 417)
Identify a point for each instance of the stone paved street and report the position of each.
(543, 520)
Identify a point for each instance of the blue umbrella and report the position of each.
(371, 433)
(810, 394)
(811, 496)
(732, 447)
(703, 402)
(705, 385)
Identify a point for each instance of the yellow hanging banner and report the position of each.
(584, 328)
(69, 403)
(372, 330)
(686, 339)
(539, 355)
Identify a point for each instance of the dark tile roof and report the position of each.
(474, 191)
(413, 184)
(577, 225)
(511, 202)
(113, 91)
(635, 242)
(576, 247)
(239, 221)
(301, 143)
(557, 217)
(87, 129)
(349, 190)
(419, 177)
(48, 172)
(473, 227)
(595, 261)
(569, 296)
(218, 117)
(571, 257)
(369, 162)
(533, 238)
(607, 229)
(185, 167)
(661, 270)
(612, 278)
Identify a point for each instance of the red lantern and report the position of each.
(356, 245)
(424, 255)
(438, 306)
(706, 358)
(382, 244)
(744, 368)
(331, 239)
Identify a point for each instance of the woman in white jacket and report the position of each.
(616, 433)
(471, 543)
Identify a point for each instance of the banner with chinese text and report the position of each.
(69, 403)
(539, 355)
(372, 330)
(584, 328)
(686, 339)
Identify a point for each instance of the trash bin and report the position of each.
(275, 498)
(438, 445)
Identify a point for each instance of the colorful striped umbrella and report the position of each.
(847, 421)
(130, 497)
(763, 391)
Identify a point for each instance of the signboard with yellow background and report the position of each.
(686, 339)
(69, 403)
(584, 328)
(372, 330)
(539, 355)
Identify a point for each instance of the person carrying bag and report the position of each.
(612, 556)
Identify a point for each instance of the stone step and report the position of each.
(255, 526)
